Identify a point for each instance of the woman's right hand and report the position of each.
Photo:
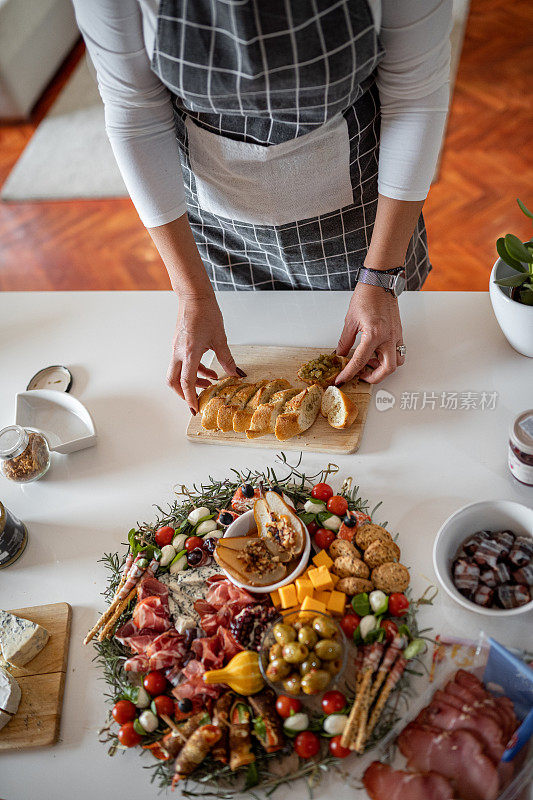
(199, 328)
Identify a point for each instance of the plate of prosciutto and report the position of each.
(179, 642)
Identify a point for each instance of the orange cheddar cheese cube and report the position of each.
(323, 597)
(274, 596)
(291, 615)
(336, 603)
(310, 604)
(321, 559)
(334, 578)
(304, 588)
(320, 578)
(287, 595)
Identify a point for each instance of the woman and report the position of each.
(248, 135)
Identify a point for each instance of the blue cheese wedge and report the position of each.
(184, 588)
(9, 696)
(20, 639)
(4, 719)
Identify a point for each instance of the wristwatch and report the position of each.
(392, 280)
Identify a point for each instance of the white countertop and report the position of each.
(423, 464)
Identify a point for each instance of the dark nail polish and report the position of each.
(241, 372)
(193, 412)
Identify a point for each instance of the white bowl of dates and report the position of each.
(266, 548)
(303, 653)
(483, 557)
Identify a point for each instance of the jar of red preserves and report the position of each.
(521, 448)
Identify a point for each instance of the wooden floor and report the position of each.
(487, 163)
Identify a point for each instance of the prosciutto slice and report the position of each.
(501, 706)
(457, 755)
(169, 649)
(130, 636)
(384, 783)
(139, 663)
(193, 686)
(442, 715)
(152, 614)
(222, 603)
(151, 587)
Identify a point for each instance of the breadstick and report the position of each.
(371, 660)
(394, 648)
(105, 632)
(392, 680)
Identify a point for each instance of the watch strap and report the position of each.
(376, 277)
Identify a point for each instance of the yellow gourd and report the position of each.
(242, 674)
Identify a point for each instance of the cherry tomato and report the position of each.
(193, 542)
(284, 705)
(312, 527)
(333, 702)
(324, 538)
(164, 536)
(128, 736)
(390, 628)
(163, 705)
(349, 624)
(398, 604)
(337, 505)
(321, 491)
(124, 711)
(307, 744)
(155, 682)
(336, 749)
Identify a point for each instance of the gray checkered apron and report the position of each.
(263, 73)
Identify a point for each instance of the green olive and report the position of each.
(307, 636)
(275, 651)
(328, 650)
(333, 667)
(283, 633)
(292, 684)
(315, 681)
(325, 627)
(295, 653)
(298, 625)
(277, 670)
(311, 662)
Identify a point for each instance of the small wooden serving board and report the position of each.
(42, 682)
(260, 362)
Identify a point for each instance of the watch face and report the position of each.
(399, 284)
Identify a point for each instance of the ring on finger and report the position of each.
(402, 349)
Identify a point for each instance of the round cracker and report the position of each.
(353, 586)
(348, 566)
(368, 533)
(381, 552)
(391, 577)
(341, 547)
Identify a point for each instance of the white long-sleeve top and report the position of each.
(412, 80)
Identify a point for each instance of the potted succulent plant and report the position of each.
(511, 289)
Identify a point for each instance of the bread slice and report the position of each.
(243, 417)
(323, 369)
(264, 418)
(210, 413)
(339, 409)
(239, 400)
(299, 413)
(211, 391)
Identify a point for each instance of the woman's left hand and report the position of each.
(374, 314)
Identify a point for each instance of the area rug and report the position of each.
(69, 156)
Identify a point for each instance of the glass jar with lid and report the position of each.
(521, 448)
(24, 454)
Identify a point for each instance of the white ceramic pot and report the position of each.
(515, 319)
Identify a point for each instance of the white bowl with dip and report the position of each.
(489, 515)
(245, 525)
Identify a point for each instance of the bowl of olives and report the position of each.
(303, 653)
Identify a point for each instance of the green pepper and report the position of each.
(361, 604)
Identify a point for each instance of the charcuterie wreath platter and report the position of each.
(259, 631)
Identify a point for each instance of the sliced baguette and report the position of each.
(211, 391)
(243, 416)
(339, 409)
(264, 418)
(239, 400)
(210, 413)
(299, 414)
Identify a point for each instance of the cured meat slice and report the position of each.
(457, 755)
(152, 614)
(442, 715)
(208, 652)
(504, 706)
(477, 707)
(193, 686)
(130, 636)
(169, 649)
(139, 663)
(151, 587)
(224, 593)
(384, 783)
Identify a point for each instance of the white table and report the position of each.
(423, 464)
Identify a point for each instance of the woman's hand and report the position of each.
(374, 313)
(199, 328)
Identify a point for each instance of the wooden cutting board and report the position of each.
(42, 681)
(260, 363)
